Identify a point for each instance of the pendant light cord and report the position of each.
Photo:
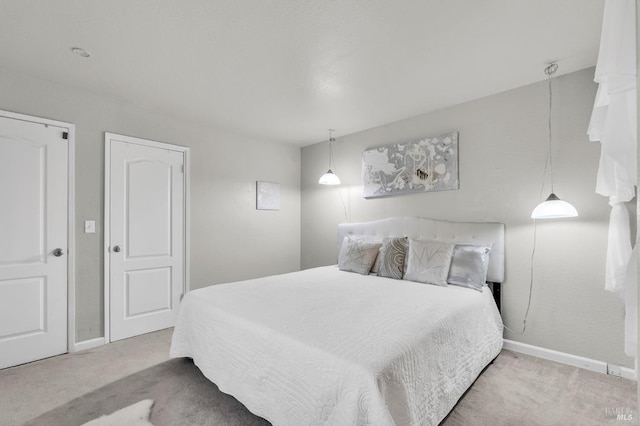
(526, 314)
(549, 70)
(332, 167)
(548, 164)
(330, 151)
(344, 207)
(331, 140)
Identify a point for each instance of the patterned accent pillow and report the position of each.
(469, 266)
(428, 261)
(391, 257)
(357, 255)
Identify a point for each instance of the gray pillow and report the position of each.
(392, 254)
(428, 261)
(357, 255)
(469, 266)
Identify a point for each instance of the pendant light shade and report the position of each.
(553, 207)
(330, 178)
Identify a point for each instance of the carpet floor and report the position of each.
(29, 390)
(182, 395)
(515, 390)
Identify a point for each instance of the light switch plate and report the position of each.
(89, 226)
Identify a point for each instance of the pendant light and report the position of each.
(330, 178)
(553, 207)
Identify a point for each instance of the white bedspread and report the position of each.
(327, 347)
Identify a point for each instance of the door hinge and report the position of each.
(65, 135)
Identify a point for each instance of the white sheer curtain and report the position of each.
(613, 123)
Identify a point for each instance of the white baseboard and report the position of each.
(628, 373)
(569, 359)
(88, 344)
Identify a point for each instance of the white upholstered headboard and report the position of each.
(433, 229)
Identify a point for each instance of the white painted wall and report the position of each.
(230, 239)
(502, 149)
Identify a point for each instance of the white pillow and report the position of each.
(469, 266)
(428, 261)
(357, 255)
(368, 239)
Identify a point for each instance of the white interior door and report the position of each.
(33, 241)
(146, 235)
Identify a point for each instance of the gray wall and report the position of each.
(230, 240)
(502, 150)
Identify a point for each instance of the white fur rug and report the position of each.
(133, 415)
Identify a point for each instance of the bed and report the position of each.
(327, 347)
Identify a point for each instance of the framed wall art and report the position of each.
(424, 165)
(267, 196)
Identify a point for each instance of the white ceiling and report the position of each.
(288, 70)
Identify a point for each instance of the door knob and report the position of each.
(116, 249)
(58, 252)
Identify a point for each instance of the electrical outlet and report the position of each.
(89, 226)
